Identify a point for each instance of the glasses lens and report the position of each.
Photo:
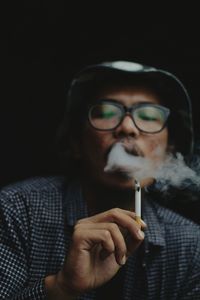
(105, 116)
(149, 118)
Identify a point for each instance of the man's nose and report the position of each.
(127, 127)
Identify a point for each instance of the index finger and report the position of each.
(110, 215)
(122, 217)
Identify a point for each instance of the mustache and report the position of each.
(132, 148)
(125, 164)
(129, 145)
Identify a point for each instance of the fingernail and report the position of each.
(143, 223)
(141, 234)
(123, 260)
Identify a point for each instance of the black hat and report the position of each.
(178, 99)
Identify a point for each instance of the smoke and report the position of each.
(119, 160)
(172, 172)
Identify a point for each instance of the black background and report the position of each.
(44, 43)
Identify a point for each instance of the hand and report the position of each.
(100, 245)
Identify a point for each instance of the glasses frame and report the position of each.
(129, 111)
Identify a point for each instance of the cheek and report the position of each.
(157, 145)
(96, 143)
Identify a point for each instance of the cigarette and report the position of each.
(137, 201)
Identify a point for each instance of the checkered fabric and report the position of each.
(36, 223)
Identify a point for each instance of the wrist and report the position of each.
(57, 290)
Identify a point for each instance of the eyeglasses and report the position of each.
(147, 117)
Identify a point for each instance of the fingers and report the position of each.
(117, 230)
(115, 215)
(85, 239)
(140, 222)
(123, 218)
(110, 215)
(114, 242)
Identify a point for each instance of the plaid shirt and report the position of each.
(36, 222)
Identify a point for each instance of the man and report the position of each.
(77, 237)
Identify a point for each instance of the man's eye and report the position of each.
(147, 117)
(108, 114)
(104, 114)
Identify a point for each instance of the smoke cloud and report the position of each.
(172, 172)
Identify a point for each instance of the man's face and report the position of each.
(96, 144)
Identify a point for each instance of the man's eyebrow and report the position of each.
(101, 99)
(118, 101)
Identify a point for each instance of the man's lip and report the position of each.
(132, 149)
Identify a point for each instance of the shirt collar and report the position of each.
(76, 209)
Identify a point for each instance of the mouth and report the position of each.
(132, 148)
(127, 161)
(123, 158)
(129, 146)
